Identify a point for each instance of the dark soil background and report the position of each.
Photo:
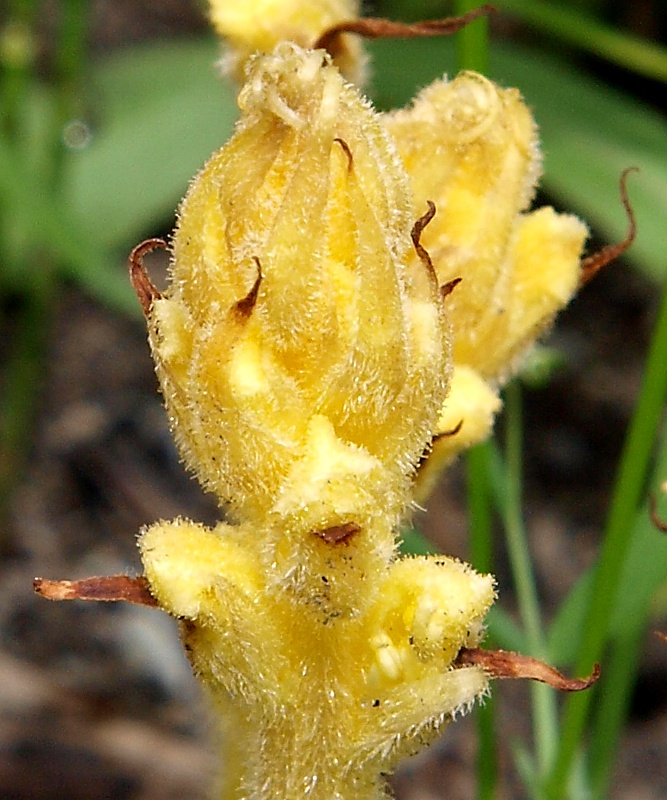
(98, 702)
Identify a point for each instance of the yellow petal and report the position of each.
(291, 294)
(258, 26)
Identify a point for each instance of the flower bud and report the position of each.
(291, 313)
(472, 149)
(250, 27)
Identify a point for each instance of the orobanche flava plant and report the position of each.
(312, 344)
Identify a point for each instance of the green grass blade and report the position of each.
(543, 703)
(585, 32)
(644, 573)
(472, 43)
(628, 489)
(611, 711)
(481, 556)
(479, 508)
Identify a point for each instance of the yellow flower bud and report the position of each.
(304, 361)
(291, 315)
(258, 26)
(472, 149)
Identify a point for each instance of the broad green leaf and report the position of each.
(45, 225)
(160, 111)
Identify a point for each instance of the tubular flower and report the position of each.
(258, 26)
(272, 341)
(518, 268)
(303, 358)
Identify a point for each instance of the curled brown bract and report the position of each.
(451, 432)
(447, 288)
(660, 524)
(503, 664)
(339, 534)
(243, 309)
(591, 265)
(416, 233)
(346, 149)
(141, 283)
(110, 589)
(378, 28)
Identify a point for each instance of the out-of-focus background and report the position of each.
(107, 109)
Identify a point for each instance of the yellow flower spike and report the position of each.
(274, 317)
(258, 26)
(472, 149)
(304, 359)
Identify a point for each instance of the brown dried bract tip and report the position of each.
(660, 524)
(243, 309)
(438, 436)
(347, 151)
(447, 288)
(339, 534)
(451, 432)
(113, 588)
(661, 635)
(591, 265)
(141, 283)
(417, 230)
(378, 28)
(502, 664)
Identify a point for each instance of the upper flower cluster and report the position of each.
(290, 230)
(346, 289)
(297, 324)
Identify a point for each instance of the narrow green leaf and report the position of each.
(644, 573)
(629, 487)
(583, 31)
